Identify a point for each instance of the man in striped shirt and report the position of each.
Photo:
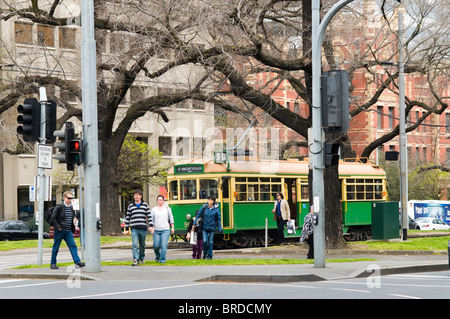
(138, 214)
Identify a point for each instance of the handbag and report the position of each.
(193, 239)
(291, 227)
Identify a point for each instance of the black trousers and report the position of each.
(310, 242)
(280, 226)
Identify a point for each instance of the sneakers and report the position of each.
(135, 263)
(79, 265)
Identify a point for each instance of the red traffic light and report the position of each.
(76, 146)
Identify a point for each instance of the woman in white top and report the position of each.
(163, 221)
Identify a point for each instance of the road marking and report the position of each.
(352, 290)
(131, 291)
(38, 284)
(404, 296)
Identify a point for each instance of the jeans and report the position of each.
(160, 240)
(208, 243)
(70, 241)
(138, 243)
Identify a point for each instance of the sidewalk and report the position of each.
(386, 262)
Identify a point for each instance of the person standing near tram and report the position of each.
(210, 215)
(282, 214)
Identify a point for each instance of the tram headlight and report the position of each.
(188, 216)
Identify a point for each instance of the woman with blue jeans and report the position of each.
(210, 214)
(163, 221)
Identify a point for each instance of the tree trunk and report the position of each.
(333, 209)
(109, 190)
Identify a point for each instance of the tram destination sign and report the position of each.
(189, 169)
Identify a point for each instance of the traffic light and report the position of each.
(70, 147)
(76, 151)
(29, 119)
(65, 136)
(335, 101)
(331, 154)
(50, 121)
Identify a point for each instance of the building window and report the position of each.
(379, 117)
(165, 145)
(45, 36)
(67, 37)
(23, 33)
(391, 118)
(182, 146)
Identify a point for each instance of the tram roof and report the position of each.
(279, 167)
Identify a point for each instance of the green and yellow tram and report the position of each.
(246, 194)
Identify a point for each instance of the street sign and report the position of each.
(32, 191)
(220, 157)
(45, 153)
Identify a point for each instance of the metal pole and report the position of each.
(402, 127)
(266, 233)
(316, 147)
(90, 136)
(41, 177)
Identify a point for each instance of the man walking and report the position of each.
(138, 213)
(63, 225)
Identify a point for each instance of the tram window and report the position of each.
(351, 192)
(173, 190)
(253, 192)
(265, 192)
(241, 190)
(208, 187)
(257, 188)
(188, 189)
(364, 189)
(369, 191)
(276, 189)
(378, 191)
(304, 192)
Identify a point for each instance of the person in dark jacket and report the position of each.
(210, 215)
(198, 247)
(63, 225)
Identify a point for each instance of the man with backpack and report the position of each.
(62, 221)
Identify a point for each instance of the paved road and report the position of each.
(427, 285)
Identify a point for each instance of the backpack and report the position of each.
(48, 214)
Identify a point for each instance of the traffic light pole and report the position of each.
(316, 147)
(41, 176)
(90, 137)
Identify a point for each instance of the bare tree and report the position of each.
(253, 49)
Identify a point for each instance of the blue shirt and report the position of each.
(279, 209)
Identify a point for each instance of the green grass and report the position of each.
(423, 244)
(48, 243)
(215, 262)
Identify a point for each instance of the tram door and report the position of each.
(291, 196)
(226, 204)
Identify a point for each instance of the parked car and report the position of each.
(18, 230)
(412, 223)
(431, 224)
